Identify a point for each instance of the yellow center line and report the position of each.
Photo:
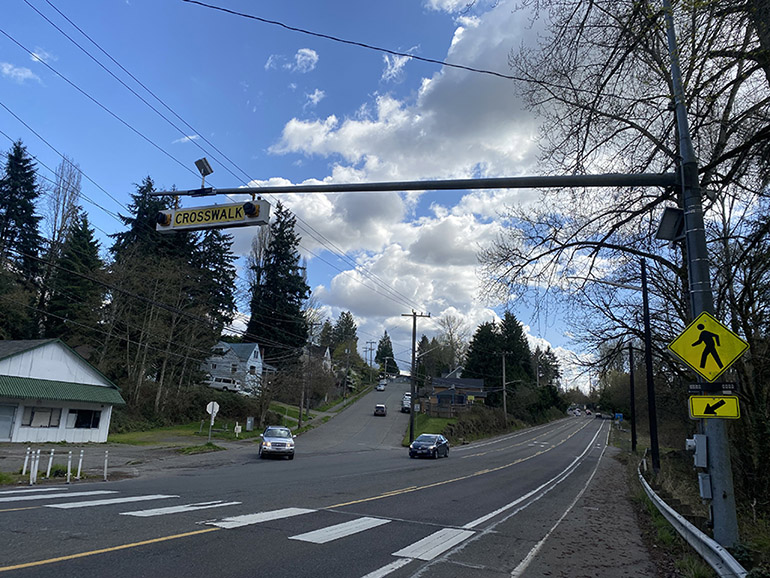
(105, 550)
(411, 489)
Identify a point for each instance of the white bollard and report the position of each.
(26, 461)
(69, 466)
(80, 465)
(37, 464)
(50, 462)
(106, 452)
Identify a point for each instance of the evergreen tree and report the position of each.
(346, 330)
(327, 335)
(20, 241)
(518, 360)
(483, 360)
(140, 237)
(212, 263)
(76, 293)
(384, 356)
(277, 322)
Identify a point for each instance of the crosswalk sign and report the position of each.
(708, 347)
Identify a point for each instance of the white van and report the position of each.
(224, 383)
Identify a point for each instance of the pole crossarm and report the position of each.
(526, 182)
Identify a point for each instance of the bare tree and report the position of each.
(601, 86)
(454, 335)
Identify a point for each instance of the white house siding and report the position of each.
(53, 362)
(64, 432)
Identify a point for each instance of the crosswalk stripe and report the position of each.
(340, 530)
(87, 504)
(31, 490)
(435, 544)
(385, 570)
(49, 496)
(178, 509)
(249, 519)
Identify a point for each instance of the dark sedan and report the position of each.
(429, 446)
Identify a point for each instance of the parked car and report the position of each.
(380, 409)
(406, 405)
(224, 383)
(429, 446)
(379, 387)
(276, 441)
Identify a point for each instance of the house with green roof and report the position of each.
(49, 393)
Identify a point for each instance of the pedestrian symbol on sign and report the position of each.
(708, 347)
(711, 342)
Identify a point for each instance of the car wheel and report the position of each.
(261, 455)
(435, 454)
(291, 456)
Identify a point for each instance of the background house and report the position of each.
(48, 393)
(241, 361)
(452, 394)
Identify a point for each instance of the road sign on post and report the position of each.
(212, 408)
(708, 347)
(720, 406)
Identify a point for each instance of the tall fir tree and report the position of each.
(77, 291)
(277, 322)
(384, 356)
(483, 359)
(20, 241)
(140, 236)
(518, 360)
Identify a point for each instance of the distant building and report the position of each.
(49, 393)
(319, 353)
(240, 361)
(452, 394)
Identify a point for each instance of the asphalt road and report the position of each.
(351, 504)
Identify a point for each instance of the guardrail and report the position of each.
(712, 552)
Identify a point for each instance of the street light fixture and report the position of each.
(204, 168)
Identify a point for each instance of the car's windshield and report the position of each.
(426, 438)
(277, 433)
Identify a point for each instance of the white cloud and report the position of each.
(18, 73)
(394, 67)
(458, 124)
(185, 139)
(315, 97)
(305, 60)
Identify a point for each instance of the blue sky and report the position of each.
(284, 107)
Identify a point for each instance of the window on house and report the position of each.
(253, 369)
(83, 418)
(41, 417)
(234, 368)
(213, 366)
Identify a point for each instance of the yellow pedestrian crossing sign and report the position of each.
(722, 406)
(708, 346)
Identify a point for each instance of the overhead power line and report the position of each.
(353, 42)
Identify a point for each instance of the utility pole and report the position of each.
(370, 350)
(633, 396)
(724, 516)
(505, 405)
(414, 315)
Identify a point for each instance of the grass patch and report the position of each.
(426, 424)
(156, 435)
(202, 449)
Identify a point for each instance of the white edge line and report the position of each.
(526, 496)
(519, 570)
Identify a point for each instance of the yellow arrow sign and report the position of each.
(722, 406)
(708, 346)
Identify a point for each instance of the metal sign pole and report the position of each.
(723, 505)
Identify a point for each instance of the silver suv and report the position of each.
(276, 441)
